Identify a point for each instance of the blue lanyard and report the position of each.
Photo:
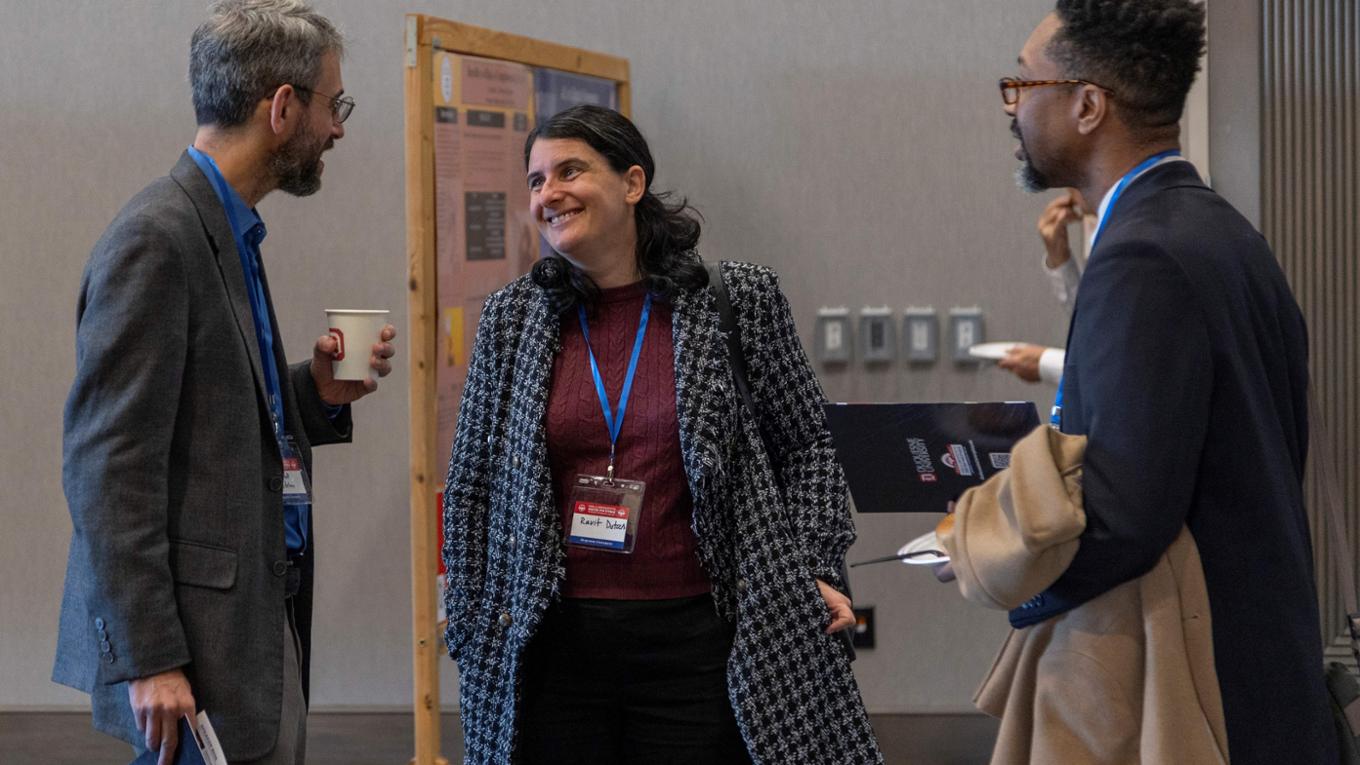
(257, 304)
(614, 422)
(1138, 170)
(1055, 415)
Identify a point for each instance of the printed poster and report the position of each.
(484, 238)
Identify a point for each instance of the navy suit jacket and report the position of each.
(1187, 369)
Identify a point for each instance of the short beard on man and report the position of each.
(1028, 178)
(297, 163)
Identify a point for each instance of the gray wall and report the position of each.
(1236, 73)
(859, 147)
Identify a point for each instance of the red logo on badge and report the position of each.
(591, 508)
(339, 343)
(927, 477)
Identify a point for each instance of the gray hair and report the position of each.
(247, 48)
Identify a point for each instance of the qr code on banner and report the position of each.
(1000, 460)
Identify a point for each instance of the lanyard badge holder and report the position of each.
(1055, 414)
(605, 509)
(604, 513)
(297, 485)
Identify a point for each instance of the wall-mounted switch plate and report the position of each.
(877, 335)
(921, 333)
(965, 331)
(834, 337)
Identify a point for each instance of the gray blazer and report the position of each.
(172, 474)
(765, 528)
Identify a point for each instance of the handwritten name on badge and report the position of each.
(609, 524)
(599, 525)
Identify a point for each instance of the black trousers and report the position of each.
(627, 682)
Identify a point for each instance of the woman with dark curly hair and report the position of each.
(633, 576)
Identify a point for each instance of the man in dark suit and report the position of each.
(188, 437)
(1186, 364)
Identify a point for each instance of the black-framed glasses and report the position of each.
(1011, 87)
(341, 106)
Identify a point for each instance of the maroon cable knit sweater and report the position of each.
(663, 562)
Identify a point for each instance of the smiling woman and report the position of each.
(607, 487)
(584, 209)
(592, 165)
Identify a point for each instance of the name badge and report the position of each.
(604, 513)
(297, 485)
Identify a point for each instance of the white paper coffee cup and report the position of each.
(355, 331)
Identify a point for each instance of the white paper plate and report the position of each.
(924, 543)
(995, 351)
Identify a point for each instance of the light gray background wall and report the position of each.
(1236, 74)
(857, 146)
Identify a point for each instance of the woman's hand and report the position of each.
(842, 613)
(1022, 360)
(1053, 227)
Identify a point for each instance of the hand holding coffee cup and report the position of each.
(349, 359)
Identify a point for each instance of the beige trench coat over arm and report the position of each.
(1127, 677)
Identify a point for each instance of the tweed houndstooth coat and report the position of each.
(764, 534)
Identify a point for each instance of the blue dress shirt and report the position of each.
(248, 230)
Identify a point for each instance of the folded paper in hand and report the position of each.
(198, 745)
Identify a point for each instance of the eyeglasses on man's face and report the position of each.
(1011, 87)
(341, 106)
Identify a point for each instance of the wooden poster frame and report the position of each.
(425, 35)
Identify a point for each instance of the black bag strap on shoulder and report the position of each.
(736, 358)
(727, 319)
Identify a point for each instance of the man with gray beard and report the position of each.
(1186, 369)
(188, 437)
